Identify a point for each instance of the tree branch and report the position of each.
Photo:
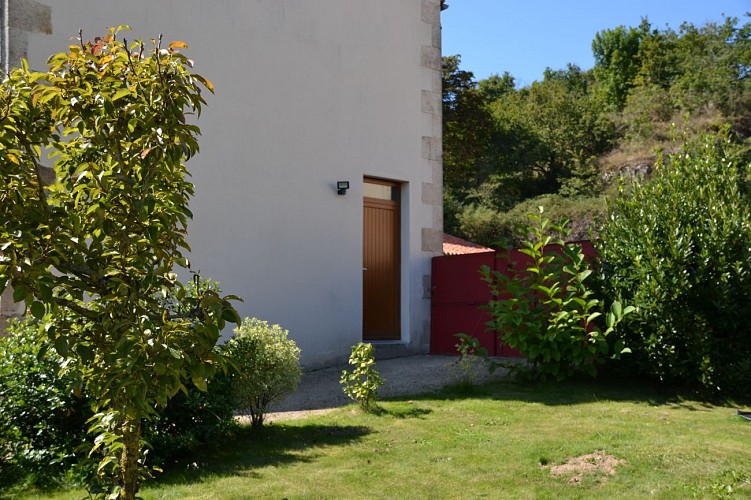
(38, 174)
(76, 308)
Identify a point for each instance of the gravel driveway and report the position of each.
(320, 389)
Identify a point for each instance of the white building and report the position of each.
(308, 93)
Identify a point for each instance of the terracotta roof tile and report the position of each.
(453, 245)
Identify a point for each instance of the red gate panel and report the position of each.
(459, 291)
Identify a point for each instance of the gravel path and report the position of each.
(320, 389)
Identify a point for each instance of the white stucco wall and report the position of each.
(307, 93)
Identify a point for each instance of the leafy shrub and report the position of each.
(546, 310)
(267, 363)
(679, 248)
(647, 111)
(471, 356)
(44, 410)
(489, 227)
(194, 420)
(43, 424)
(362, 383)
(582, 213)
(482, 225)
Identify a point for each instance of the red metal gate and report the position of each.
(459, 291)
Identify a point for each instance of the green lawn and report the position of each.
(493, 442)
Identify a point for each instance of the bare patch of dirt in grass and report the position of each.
(598, 464)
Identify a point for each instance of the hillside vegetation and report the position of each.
(566, 141)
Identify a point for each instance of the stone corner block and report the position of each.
(430, 57)
(432, 240)
(431, 148)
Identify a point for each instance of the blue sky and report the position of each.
(524, 37)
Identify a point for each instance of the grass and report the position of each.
(496, 441)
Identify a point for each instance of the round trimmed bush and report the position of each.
(267, 363)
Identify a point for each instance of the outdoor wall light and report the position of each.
(342, 187)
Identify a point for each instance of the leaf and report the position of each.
(120, 94)
(20, 293)
(584, 274)
(610, 320)
(110, 459)
(48, 96)
(207, 83)
(593, 316)
(616, 309)
(50, 330)
(178, 45)
(61, 346)
(44, 292)
(38, 310)
(229, 314)
(42, 351)
(197, 375)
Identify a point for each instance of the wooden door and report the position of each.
(381, 262)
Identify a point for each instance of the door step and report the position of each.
(385, 349)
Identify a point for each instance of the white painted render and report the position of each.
(308, 92)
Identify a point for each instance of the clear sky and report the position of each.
(524, 37)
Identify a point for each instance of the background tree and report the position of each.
(92, 254)
(567, 127)
(467, 125)
(714, 65)
(658, 62)
(567, 138)
(467, 129)
(496, 86)
(616, 54)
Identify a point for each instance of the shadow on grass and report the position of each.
(401, 413)
(273, 445)
(580, 390)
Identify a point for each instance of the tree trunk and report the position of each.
(129, 459)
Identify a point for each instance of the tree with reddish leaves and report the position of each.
(93, 252)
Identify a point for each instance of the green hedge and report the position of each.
(679, 248)
(489, 227)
